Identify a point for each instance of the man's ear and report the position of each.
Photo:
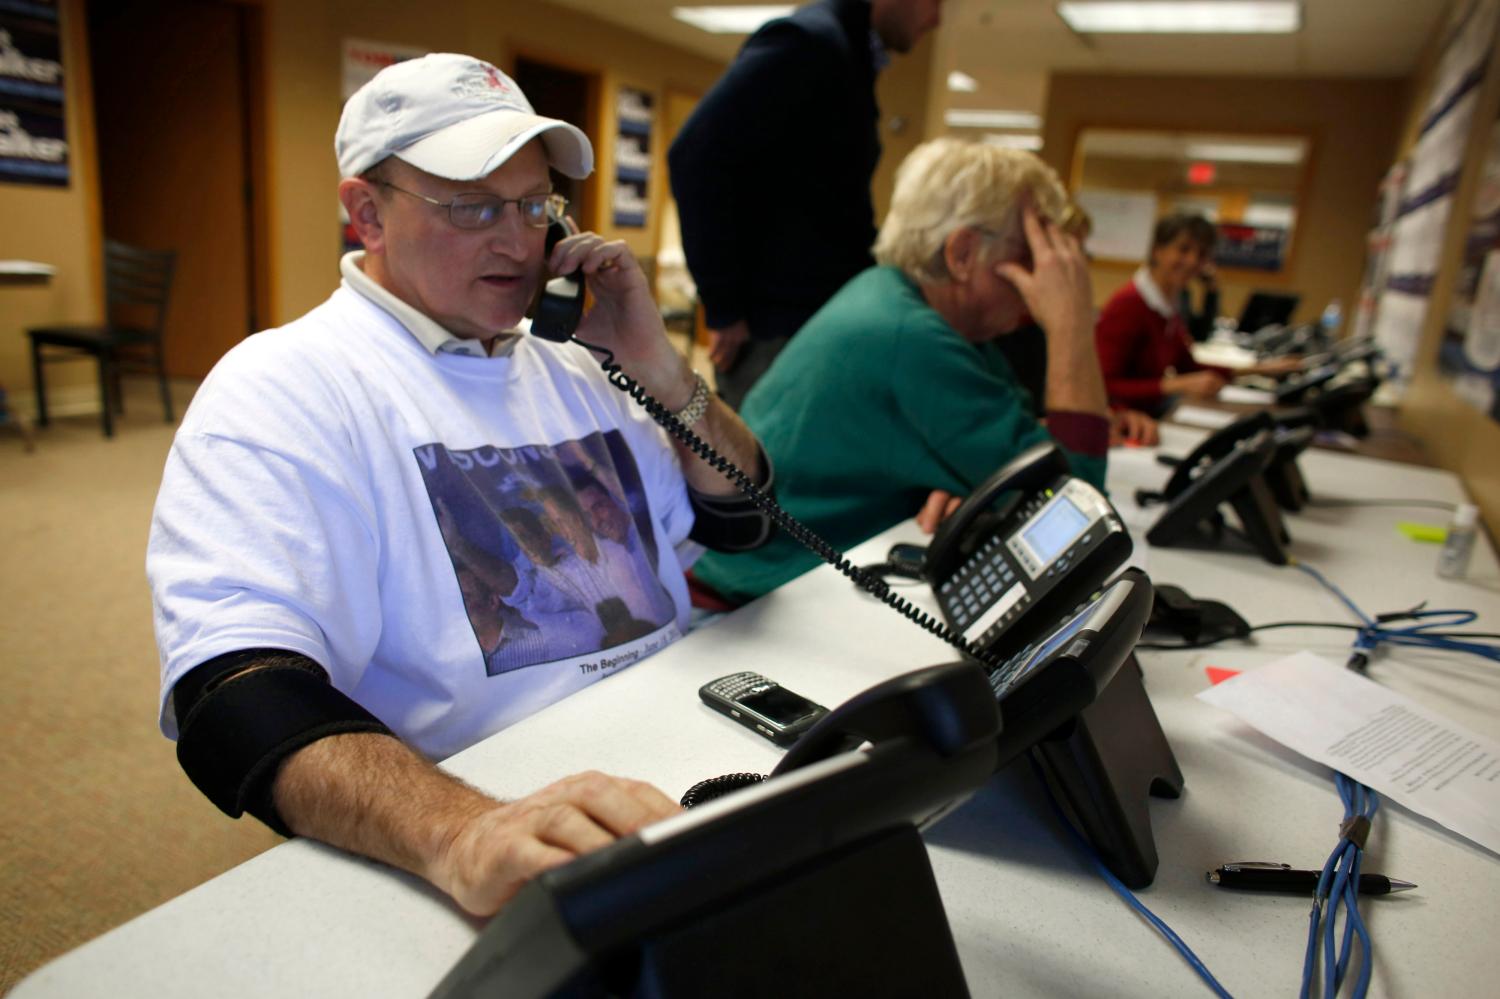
(961, 253)
(366, 213)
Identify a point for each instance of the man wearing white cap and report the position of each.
(353, 569)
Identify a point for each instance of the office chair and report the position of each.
(137, 284)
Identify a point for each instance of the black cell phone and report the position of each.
(763, 706)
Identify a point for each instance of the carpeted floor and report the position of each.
(97, 822)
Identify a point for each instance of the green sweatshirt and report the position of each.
(876, 402)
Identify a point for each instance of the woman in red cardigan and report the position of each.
(1144, 348)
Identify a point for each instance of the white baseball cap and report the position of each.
(452, 116)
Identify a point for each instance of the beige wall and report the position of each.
(303, 50)
(1459, 436)
(1353, 125)
(61, 227)
(903, 90)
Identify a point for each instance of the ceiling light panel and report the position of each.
(974, 118)
(1184, 17)
(731, 20)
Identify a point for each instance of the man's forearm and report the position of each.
(373, 795)
(723, 430)
(1074, 381)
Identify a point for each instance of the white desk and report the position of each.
(1029, 917)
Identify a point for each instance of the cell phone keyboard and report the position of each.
(740, 685)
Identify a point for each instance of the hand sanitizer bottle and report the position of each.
(1453, 561)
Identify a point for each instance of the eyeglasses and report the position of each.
(480, 211)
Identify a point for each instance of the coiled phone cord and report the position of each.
(800, 532)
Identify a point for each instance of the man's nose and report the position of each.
(510, 235)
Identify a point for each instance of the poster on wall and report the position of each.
(33, 127)
(362, 59)
(1123, 221)
(1470, 353)
(631, 198)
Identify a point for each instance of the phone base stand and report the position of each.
(1116, 758)
(866, 943)
(865, 920)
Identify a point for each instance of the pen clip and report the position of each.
(1259, 865)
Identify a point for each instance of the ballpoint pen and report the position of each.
(1261, 876)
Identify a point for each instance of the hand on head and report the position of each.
(1056, 290)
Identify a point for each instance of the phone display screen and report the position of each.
(1049, 535)
(779, 705)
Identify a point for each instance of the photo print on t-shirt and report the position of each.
(552, 547)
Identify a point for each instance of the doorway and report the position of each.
(175, 92)
(571, 96)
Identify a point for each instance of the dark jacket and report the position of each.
(772, 170)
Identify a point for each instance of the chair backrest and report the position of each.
(138, 282)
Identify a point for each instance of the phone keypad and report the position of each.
(976, 588)
(1004, 675)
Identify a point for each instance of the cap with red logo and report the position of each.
(452, 116)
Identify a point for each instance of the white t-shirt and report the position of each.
(338, 490)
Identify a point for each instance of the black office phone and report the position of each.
(785, 887)
(1003, 576)
(1238, 478)
(1045, 686)
(1293, 430)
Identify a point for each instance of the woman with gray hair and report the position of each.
(893, 398)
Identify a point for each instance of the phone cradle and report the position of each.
(1115, 758)
(1237, 479)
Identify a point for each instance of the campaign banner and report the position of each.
(33, 125)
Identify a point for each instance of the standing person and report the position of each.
(327, 552)
(772, 173)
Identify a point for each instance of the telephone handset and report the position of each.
(1014, 572)
(1292, 431)
(559, 306)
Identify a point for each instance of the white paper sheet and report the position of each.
(1246, 396)
(1382, 739)
(1197, 416)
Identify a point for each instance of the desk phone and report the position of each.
(1002, 578)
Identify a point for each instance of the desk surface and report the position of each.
(1029, 917)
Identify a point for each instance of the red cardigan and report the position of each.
(1137, 345)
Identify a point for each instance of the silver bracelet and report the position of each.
(697, 405)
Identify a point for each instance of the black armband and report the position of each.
(733, 523)
(239, 716)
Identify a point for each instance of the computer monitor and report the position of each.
(1265, 308)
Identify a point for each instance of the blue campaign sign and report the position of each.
(33, 128)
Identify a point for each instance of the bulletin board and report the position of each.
(1470, 353)
(1122, 220)
(1413, 241)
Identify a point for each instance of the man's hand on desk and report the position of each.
(373, 795)
(497, 851)
(1131, 426)
(724, 345)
